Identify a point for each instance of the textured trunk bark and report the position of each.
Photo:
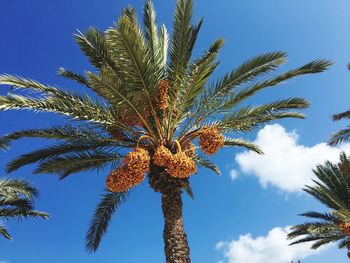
(175, 240)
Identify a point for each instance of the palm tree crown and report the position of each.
(332, 188)
(152, 96)
(16, 198)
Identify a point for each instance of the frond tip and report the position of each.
(102, 217)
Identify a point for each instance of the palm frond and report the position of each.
(63, 132)
(129, 49)
(135, 107)
(15, 187)
(313, 67)
(188, 189)
(69, 74)
(163, 42)
(56, 100)
(216, 103)
(238, 142)
(248, 118)
(67, 164)
(27, 84)
(94, 45)
(152, 37)
(101, 218)
(324, 216)
(246, 72)
(332, 188)
(21, 213)
(4, 232)
(199, 72)
(16, 201)
(342, 115)
(182, 41)
(56, 150)
(76, 108)
(339, 137)
(204, 162)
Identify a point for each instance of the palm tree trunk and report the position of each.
(175, 240)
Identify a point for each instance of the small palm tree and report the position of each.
(153, 98)
(344, 134)
(16, 198)
(332, 188)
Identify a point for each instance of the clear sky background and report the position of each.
(239, 217)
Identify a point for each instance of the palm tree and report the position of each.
(332, 188)
(344, 134)
(16, 198)
(153, 102)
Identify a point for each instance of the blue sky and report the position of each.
(37, 40)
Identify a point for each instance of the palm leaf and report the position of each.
(235, 142)
(182, 41)
(101, 218)
(68, 164)
(4, 232)
(73, 76)
(56, 150)
(204, 162)
(340, 137)
(15, 187)
(64, 132)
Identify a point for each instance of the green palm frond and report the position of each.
(152, 37)
(344, 242)
(248, 71)
(136, 107)
(239, 142)
(217, 103)
(248, 118)
(342, 115)
(21, 213)
(63, 132)
(59, 149)
(101, 218)
(82, 108)
(69, 74)
(324, 216)
(204, 162)
(199, 72)
(182, 40)
(128, 45)
(313, 67)
(4, 232)
(163, 42)
(16, 202)
(67, 164)
(15, 187)
(316, 231)
(76, 106)
(340, 137)
(332, 188)
(27, 84)
(94, 45)
(188, 189)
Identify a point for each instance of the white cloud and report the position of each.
(274, 247)
(286, 164)
(233, 174)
